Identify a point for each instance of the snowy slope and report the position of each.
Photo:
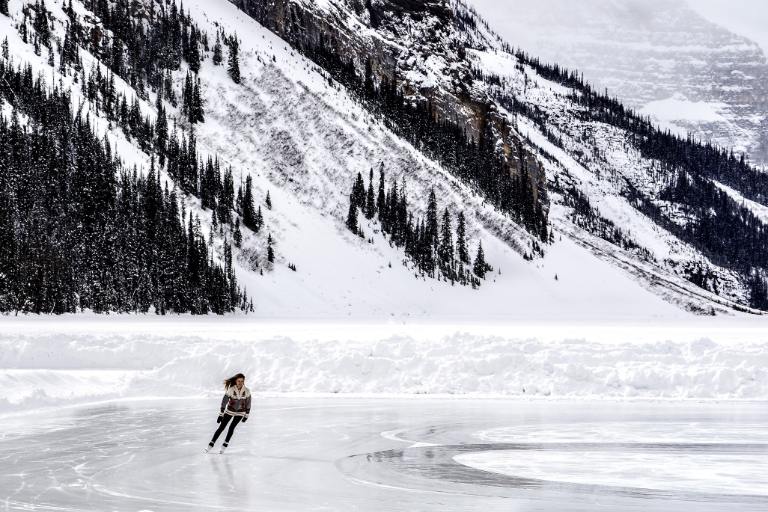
(323, 139)
(303, 138)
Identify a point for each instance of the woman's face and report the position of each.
(239, 383)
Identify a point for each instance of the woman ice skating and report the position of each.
(235, 407)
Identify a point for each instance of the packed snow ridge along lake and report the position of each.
(69, 361)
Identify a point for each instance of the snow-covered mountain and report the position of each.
(661, 57)
(581, 212)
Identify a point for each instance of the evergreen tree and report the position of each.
(239, 200)
(218, 57)
(370, 204)
(197, 114)
(481, 267)
(445, 251)
(758, 292)
(259, 219)
(161, 131)
(270, 250)
(358, 191)
(381, 197)
(432, 228)
(352, 215)
(4, 8)
(41, 25)
(237, 236)
(4, 50)
(461, 241)
(268, 201)
(249, 212)
(226, 200)
(193, 54)
(233, 67)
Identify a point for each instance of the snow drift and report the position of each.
(59, 368)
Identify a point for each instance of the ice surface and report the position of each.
(709, 456)
(706, 470)
(334, 454)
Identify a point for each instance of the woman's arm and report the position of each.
(224, 403)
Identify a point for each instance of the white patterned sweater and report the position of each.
(236, 402)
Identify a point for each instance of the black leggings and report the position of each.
(224, 420)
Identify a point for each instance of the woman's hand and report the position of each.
(218, 420)
(245, 418)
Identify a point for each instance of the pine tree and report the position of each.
(233, 67)
(370, 204)
(249, 212)
(186, 97)
(161, 131)
(5, 42)
(461, 241)
(197, 115)
(41, 25)
(226, 197)
(352, 215)
(268, 201)
(259, 219)
(758, 293)
(4, 8)
(239, 200)
(445, 251)
(270, 250)
(481, 267)
(432, 228)
(381, 198)
(237, 236)
(358, 191)
(194, 51)
(218, 57)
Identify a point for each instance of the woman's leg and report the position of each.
(222, 425)
(231, 430)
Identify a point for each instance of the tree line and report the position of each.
(475, 161)
(429, 242)
(126, 54)
(78, 231)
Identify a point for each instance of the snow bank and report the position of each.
(51, 368)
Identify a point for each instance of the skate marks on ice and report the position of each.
(700, 464)
(442, 469)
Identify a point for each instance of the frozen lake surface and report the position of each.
(390, 454)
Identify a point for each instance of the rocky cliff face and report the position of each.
(419, 46)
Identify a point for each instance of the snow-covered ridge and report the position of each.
(648, 53)
(89, 362)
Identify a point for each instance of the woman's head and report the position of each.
(236, 380)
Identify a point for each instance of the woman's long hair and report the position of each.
(228, 383)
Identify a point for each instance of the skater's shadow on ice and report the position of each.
(225, 473)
